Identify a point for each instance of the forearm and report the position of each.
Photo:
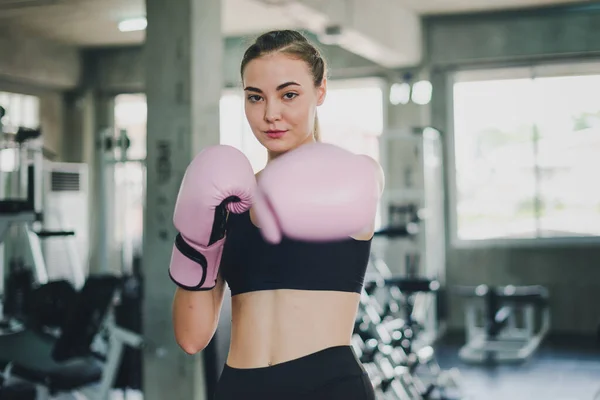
(196, 315)
(220, 179)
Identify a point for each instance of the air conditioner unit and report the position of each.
(65, 208)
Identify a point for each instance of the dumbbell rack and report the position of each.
(386, 340)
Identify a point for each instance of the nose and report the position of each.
(272, 111)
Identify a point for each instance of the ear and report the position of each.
(322, 92)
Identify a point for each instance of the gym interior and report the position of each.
(483, 281)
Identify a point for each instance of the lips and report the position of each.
(275, 134)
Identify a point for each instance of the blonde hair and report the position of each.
(317, 130)
(293, 43)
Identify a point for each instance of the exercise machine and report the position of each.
(82, 358)
(22, 206)
(50, 329)
(23, 265)
(504, 323)
(26, 183)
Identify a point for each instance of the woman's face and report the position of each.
(281, 101)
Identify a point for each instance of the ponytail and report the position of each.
(317, 129)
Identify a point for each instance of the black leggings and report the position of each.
(330, 374)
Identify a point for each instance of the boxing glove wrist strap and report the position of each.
(195, 267)
(188, 251)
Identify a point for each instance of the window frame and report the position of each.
(23, 110)
(546, 70)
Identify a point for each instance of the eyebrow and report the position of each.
(282, 86)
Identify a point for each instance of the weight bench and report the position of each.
(505, 323)
(67, 363)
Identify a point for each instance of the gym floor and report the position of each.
(563, 368)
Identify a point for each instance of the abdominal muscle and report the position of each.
(275, 326)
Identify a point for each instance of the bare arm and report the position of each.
(196, 315)
(380, 177)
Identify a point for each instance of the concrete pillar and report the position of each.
(184, 51)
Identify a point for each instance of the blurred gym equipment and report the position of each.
(411, 238)
(400, 318)
(493, 329)
(56, 335)
(121, 197)
(30, 189)
(22, 205)
(74, 359)
(388, 338)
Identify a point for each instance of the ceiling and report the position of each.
(94, 22)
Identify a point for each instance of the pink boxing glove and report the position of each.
(219, 179)
(317, 192)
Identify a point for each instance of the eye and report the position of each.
(253, 98)
(290, 95)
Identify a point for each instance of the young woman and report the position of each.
(296, 243)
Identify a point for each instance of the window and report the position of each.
(131, 115)
(128, 181)
(235, 130)
(352, 116)
(20, 111)
(526, 145)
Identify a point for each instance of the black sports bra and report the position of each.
(249, 263)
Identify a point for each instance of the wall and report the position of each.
(118, 70)
(42, 68)
(34, 62)
(572, 273)
(515, 36)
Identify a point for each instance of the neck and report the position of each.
(272, 155)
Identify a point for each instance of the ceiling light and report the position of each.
(133, 24)
(421, 92)
(400, 93)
